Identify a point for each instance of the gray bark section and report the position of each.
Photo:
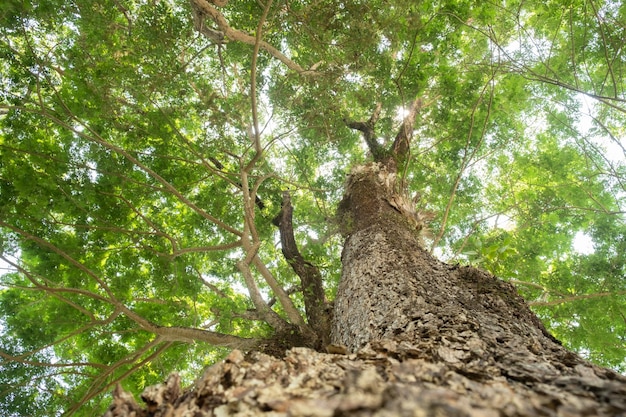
(384, 379)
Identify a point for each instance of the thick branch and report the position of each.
(269, 315)
(188, 334)
(401, 145)
(367, 128)
(310, 277)
(256, 134)
(399, 150)
(207, 8)
(290, 309)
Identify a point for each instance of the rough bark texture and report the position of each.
(385, 378)
(392, 288)
(429, 339)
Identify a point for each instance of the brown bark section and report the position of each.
(385, 379)
(392, 288)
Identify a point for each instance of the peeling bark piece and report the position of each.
(160, 398)
(375, 382)
(124, 405)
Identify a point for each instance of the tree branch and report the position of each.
(290, 309)
(269, 315)
(402, 144)
(104, 381)
(189, 334)
(574, 298)
(312, 287)
(367, 128)
(207, 8)
(176, 333)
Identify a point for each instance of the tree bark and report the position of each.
(392, 288)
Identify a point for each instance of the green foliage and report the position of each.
(125, 137)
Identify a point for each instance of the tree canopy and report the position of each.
(145, 148)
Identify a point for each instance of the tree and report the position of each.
(152, 157)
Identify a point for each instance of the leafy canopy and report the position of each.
(133, 149)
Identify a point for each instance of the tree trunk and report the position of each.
(474, 323)
(419, 337)
(391, 288)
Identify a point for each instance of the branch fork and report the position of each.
(398, 152)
